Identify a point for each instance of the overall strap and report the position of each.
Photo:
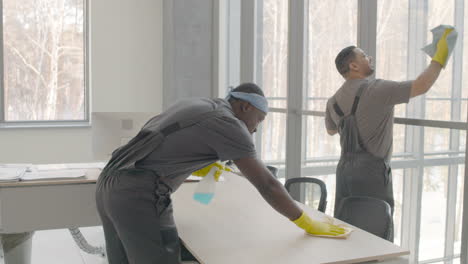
(340, 112)
(356, 98)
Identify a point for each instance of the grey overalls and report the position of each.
(359, 173)
(135, 205)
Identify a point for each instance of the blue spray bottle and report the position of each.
(204, 192)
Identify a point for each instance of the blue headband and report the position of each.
(256, 100)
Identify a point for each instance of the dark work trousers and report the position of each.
(136, 213)
(363, 175)
(360, 173)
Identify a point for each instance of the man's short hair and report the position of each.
(249, 88)
(344, 58)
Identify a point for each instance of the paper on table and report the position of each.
(330, 220)
(54, 174)
(66, 166)
(11, 174)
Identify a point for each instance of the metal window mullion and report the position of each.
(2, 73)
(233, 43)
(454, 136)
(451, 212)
(258, 140)
(218, 68)
(367, 26)
(305, 92)
(464, 238)
(296, 81)
(248, 59)
(408, 165)
(258, 71)
(87, 65)
(411, 220)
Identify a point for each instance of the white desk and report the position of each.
(51, 204)
(240, 227)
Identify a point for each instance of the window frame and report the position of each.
(86, 122)
(414, 123)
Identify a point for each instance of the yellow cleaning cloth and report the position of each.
(332, 221)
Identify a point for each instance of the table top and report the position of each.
(239, 226)
(91, 177)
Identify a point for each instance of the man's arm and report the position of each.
(276, 195)
(271, 189)
(329, 123)
(426, 79)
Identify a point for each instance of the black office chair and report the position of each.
(307, 190)
(273, 170)
(370, 214)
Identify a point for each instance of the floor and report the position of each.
(58, 247)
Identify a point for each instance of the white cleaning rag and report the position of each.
(437, 33)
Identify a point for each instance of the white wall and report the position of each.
(126, 76)
(45, 145)
(126, 55)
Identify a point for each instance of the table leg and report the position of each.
(2, 253)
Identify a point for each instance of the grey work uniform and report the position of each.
(133, 191)
(362, 112)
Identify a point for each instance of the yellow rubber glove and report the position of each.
(203, 172)
(316, 227)
(441, 53)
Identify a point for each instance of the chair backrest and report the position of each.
(367, 213)
(307, 190)
(273, 170)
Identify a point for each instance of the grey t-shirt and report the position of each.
(375, 111)
(192, 148)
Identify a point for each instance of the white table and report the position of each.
(240, 227)
(50, 204)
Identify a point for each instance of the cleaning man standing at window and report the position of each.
(362, 111)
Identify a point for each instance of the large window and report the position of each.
(429, 134)
(44, 62)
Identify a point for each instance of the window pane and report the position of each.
(392, 40)
(398, 139)
(275, 51)
(271, 140)
(332, 26)
(43, 60)
(392, 43)
(318, 143)
(398, 178)
(464, 109)
(462, 40)
(433, 212)
(462, 140)
(436, 139)
(329, 180)
(459, 209)
(440, 12)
